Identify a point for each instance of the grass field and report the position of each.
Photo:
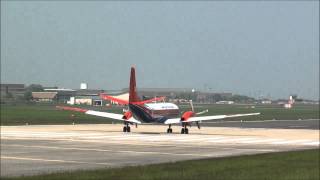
(48, 114)
(300, 165)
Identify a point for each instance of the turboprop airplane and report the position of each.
(147, 111)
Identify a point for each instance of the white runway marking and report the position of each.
(316, 143)
(296, 126)
(186, 139)
(236, 140)
(290, 142)
(52, 160)
(108, 150)
(258, 141)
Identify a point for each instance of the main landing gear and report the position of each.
(169, 130)
(184, 129)
(126, 127)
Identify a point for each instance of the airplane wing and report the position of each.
(100, 114)
(206, 118)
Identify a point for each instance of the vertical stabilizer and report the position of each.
(133, 96)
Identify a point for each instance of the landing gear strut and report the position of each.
(184, 129)
(169, 130)
(126, 127)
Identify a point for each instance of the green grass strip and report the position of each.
(48, 114)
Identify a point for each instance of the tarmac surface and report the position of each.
(38, 149)
(274, 124)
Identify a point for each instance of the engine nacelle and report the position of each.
(127, 115)
(185, 116)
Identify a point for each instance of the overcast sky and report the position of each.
(253, 48)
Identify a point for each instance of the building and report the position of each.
(44, 96)
(182, 94)
(13, 89)
(86, 97)
(63, 95)
(86, 100)
(83, 100)
(88, 92)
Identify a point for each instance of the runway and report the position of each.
(274, 124)
(29, 150)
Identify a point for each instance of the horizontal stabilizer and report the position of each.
(124, 102)
(111, 98)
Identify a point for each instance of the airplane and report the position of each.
(151, 111)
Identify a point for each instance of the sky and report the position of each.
(259, 49)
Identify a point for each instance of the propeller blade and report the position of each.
(191, 104)
(202, 112)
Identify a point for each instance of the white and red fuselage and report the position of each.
(154, 112)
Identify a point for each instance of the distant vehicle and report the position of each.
(152, 111)
(290, 103)
(225, 102)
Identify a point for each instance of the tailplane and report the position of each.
(133, 95)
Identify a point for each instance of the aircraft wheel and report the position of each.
(186, 131)
(128, 129)
(124, 129)
(182, 131)
(169, 130)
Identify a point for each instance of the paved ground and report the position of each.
(27, 150)
(278, 124)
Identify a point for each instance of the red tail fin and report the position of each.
(133, 96)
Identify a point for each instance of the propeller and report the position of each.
(202, 112)
(191, 104)
(198, 113)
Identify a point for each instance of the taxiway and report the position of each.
(29, 150)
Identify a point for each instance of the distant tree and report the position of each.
(28, 95)
(32, 88)
(241, 98)
(217, 97)
(35, 88)
(9, 95)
